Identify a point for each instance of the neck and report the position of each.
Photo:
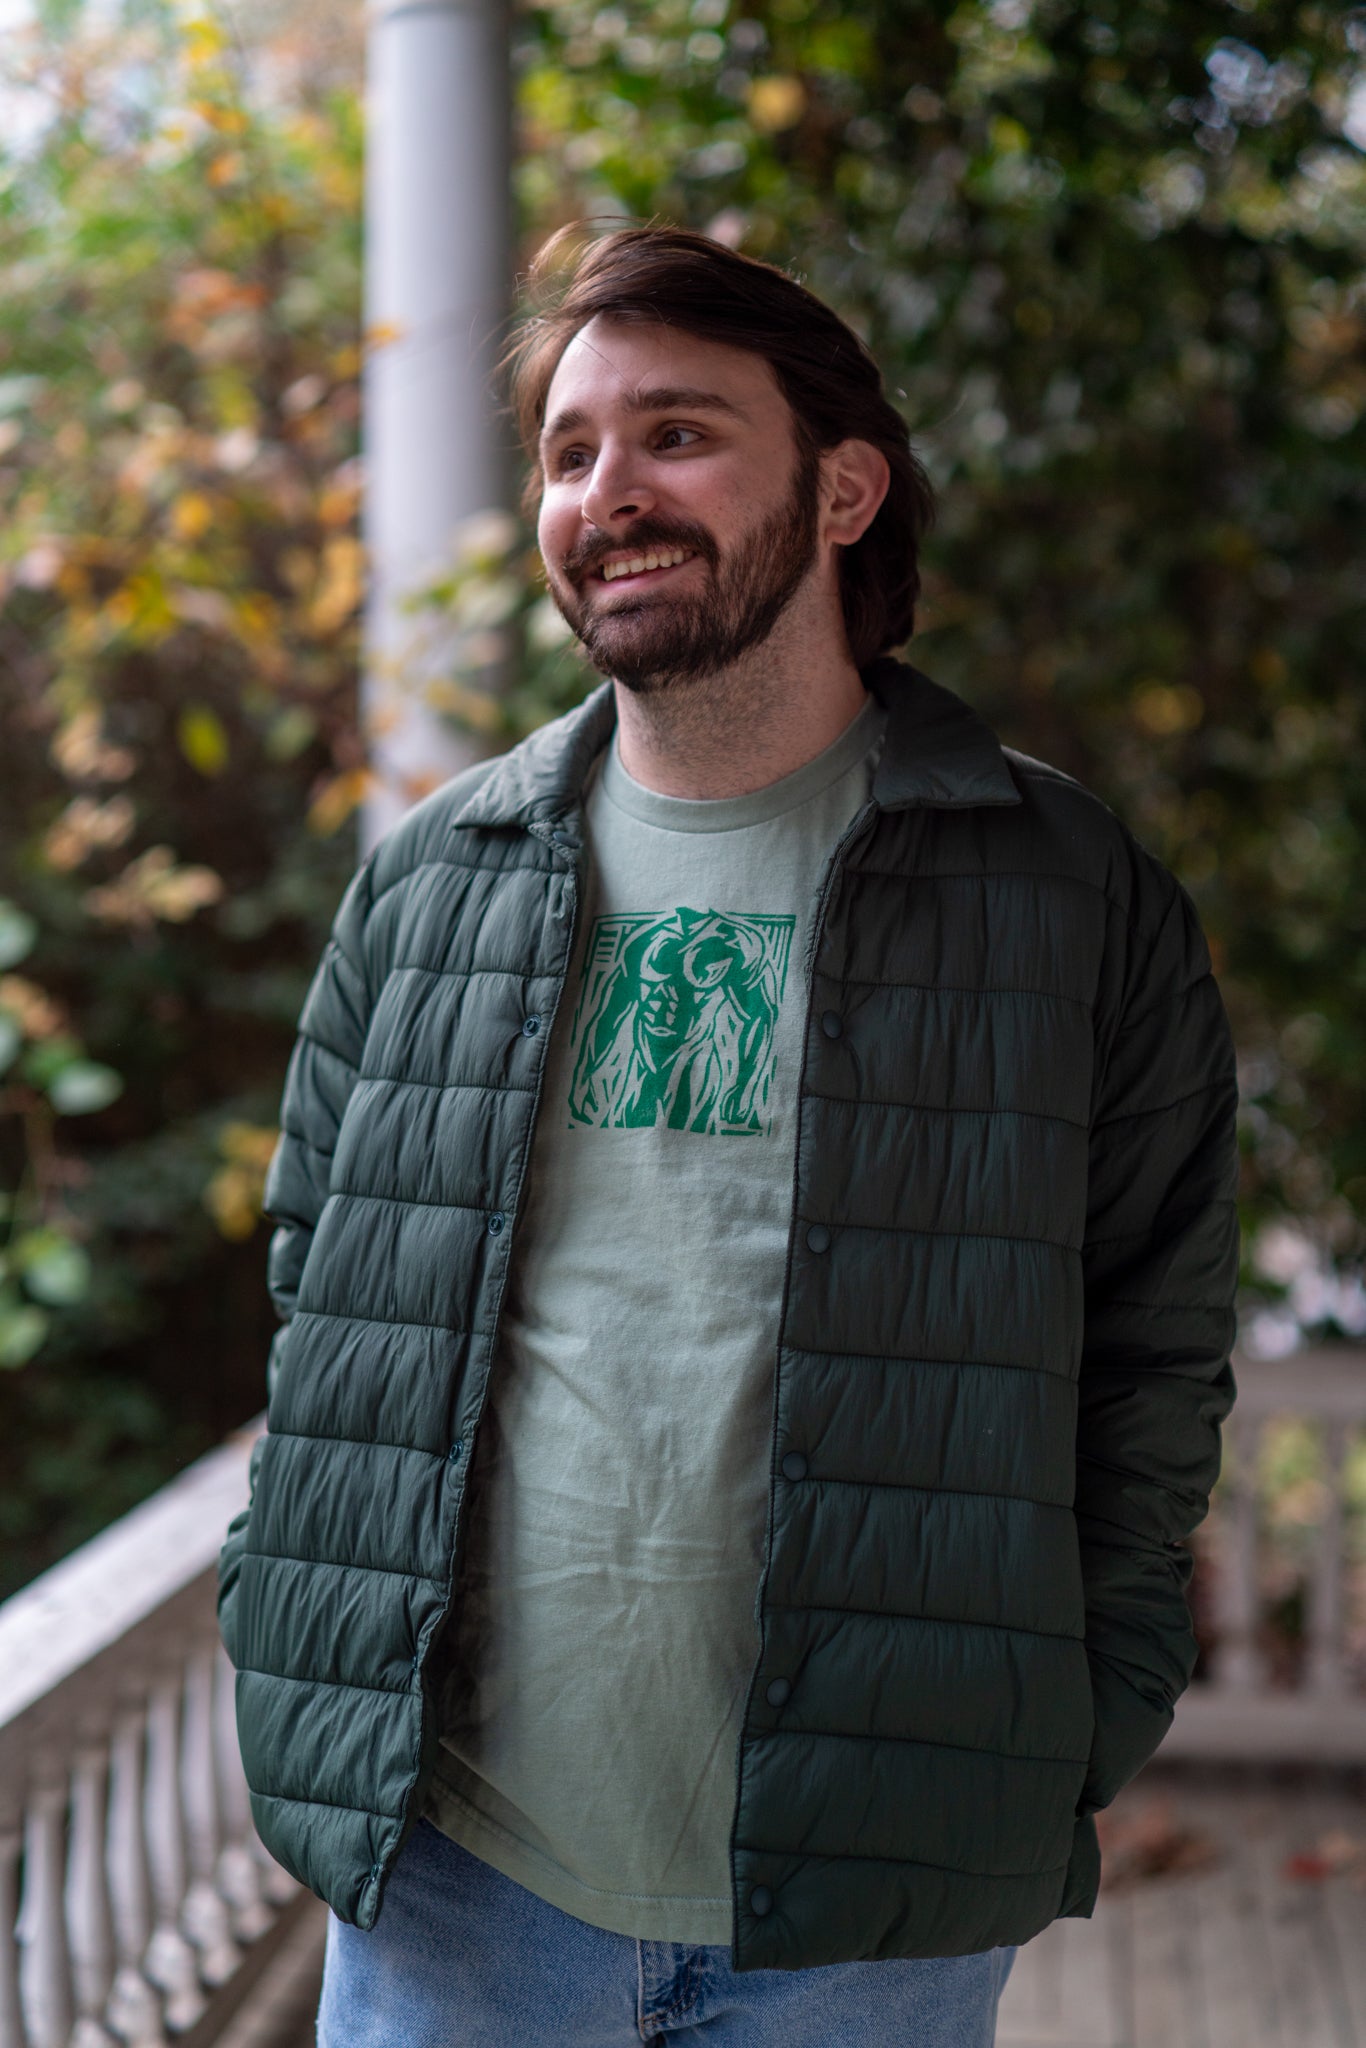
(744, 726)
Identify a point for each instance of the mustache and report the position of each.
(591, 552)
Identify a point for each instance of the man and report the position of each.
(758, 1246)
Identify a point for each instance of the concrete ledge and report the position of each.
(1232, 1727)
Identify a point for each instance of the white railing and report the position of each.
(136, 1903)
(1240, 1713)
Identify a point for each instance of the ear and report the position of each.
(854, 479)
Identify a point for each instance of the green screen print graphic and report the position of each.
(675, 1022)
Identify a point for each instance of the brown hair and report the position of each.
(828, 377)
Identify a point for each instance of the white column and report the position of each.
(171, 1962)
(11, 2018)
(1326, 1672)
(437, 290)
(1238, 1663)
(134, 2007)
(205, 1915)
(45, 1967)
(88, 1918)
(239, 1870)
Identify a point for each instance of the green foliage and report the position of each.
(180, 579)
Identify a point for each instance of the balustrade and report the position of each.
(133, 1889)
(1243, 1711)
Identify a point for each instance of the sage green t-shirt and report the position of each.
(605, 1627)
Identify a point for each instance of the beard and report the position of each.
(656, 642)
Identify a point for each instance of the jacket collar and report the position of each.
(937, 753)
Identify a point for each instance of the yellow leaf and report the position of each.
(191, 515)
(776, 102)
(382, 333)
(337, 502)
(477, 709)
(83, 826)
(1166, 708)
(1008, 138)
(227, 120)
(334, 804)
(233, 1199)
(256, 613)
(203, 741)
(31, 1007)
(204, 38)
(248, 1144)
(235, 1194)
(152, 887)
(340, 584)
(141, 609)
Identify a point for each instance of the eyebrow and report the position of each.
(655, 398)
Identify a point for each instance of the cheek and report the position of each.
(717, 500)
(554, 537)
(545, 528)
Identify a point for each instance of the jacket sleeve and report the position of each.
(1160, 1266)
(322, 1071)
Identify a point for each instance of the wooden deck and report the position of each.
(1259, 1942)
(1231, 1952)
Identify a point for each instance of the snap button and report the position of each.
(818, 1238)
(496, 1222)
(457, 1450)
(530, 1026)
(376, 1872)
(761, 1902)
(779, 1693)
(794, 1466)
(832, 1024)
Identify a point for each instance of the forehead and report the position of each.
(612, 367)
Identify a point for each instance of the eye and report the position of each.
(694, 431)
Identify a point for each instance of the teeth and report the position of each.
(639, 563)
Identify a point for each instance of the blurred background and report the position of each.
(1111, 255)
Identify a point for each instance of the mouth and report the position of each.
(651, 565)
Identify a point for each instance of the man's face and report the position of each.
(658, 446)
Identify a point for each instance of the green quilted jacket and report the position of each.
(999, 1375)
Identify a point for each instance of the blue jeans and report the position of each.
(461, 1957)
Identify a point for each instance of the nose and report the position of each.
(616, 493)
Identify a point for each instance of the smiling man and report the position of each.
(757, 1246)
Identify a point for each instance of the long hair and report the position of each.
(830, 380)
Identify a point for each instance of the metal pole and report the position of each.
(438, 277)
